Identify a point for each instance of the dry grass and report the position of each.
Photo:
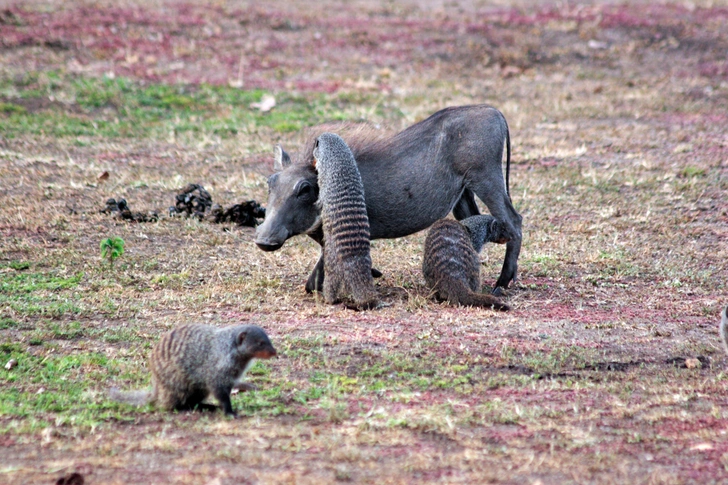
(618, 116)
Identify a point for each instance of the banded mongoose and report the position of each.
(724, 328)
(451, 264)
(191, 362)
(347, 262)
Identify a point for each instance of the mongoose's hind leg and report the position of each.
(333, 287)
(315, 280)
(192, 400)
(363, 292)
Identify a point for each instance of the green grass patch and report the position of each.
(40, 294)
(10, 108)
(119, 107)
(64, 386)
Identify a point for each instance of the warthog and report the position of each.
(411, 180)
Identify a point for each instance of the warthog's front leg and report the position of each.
(316, 279)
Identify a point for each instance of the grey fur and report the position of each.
(347, 261)
(193, 361)
(451, 264)
(483, 229)
(411, 180)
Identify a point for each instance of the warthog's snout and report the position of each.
(266, 246)
(268, 240)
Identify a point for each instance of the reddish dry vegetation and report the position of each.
(609, 369)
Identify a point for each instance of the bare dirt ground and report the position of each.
(608, 370)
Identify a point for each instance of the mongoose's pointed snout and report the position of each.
(266, 354)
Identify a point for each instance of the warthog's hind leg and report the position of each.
(492, 192)
(466, 206)
(509, 272)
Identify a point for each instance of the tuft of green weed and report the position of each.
(111, 249)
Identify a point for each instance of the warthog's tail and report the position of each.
(459, 293)
(135, 398)
(724, 328)
(508, 158)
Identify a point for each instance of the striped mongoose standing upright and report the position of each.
(347, 262)
(451, 264)
(724, 328)
(191, 362)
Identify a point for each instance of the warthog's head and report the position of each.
(292, 194)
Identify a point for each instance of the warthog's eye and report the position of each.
(304, 189)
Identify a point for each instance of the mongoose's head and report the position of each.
(483, 228)
(253, 341)
(330, 147)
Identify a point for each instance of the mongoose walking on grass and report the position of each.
(193, 361)
(451, 264)
(724, 328)
(347, 262)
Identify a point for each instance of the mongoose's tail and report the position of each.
(724, 328)
(135, 398)
(459, 293)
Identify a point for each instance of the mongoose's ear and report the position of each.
(282, 160)
(241, 338)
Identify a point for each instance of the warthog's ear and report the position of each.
(282, 160)
(315, 153)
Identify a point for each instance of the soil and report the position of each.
(607, 370)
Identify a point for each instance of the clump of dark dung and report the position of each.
(195, 201)
(120, 209)
(192, 200)
(243, 214)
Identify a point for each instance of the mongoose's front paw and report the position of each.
(243, 387)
